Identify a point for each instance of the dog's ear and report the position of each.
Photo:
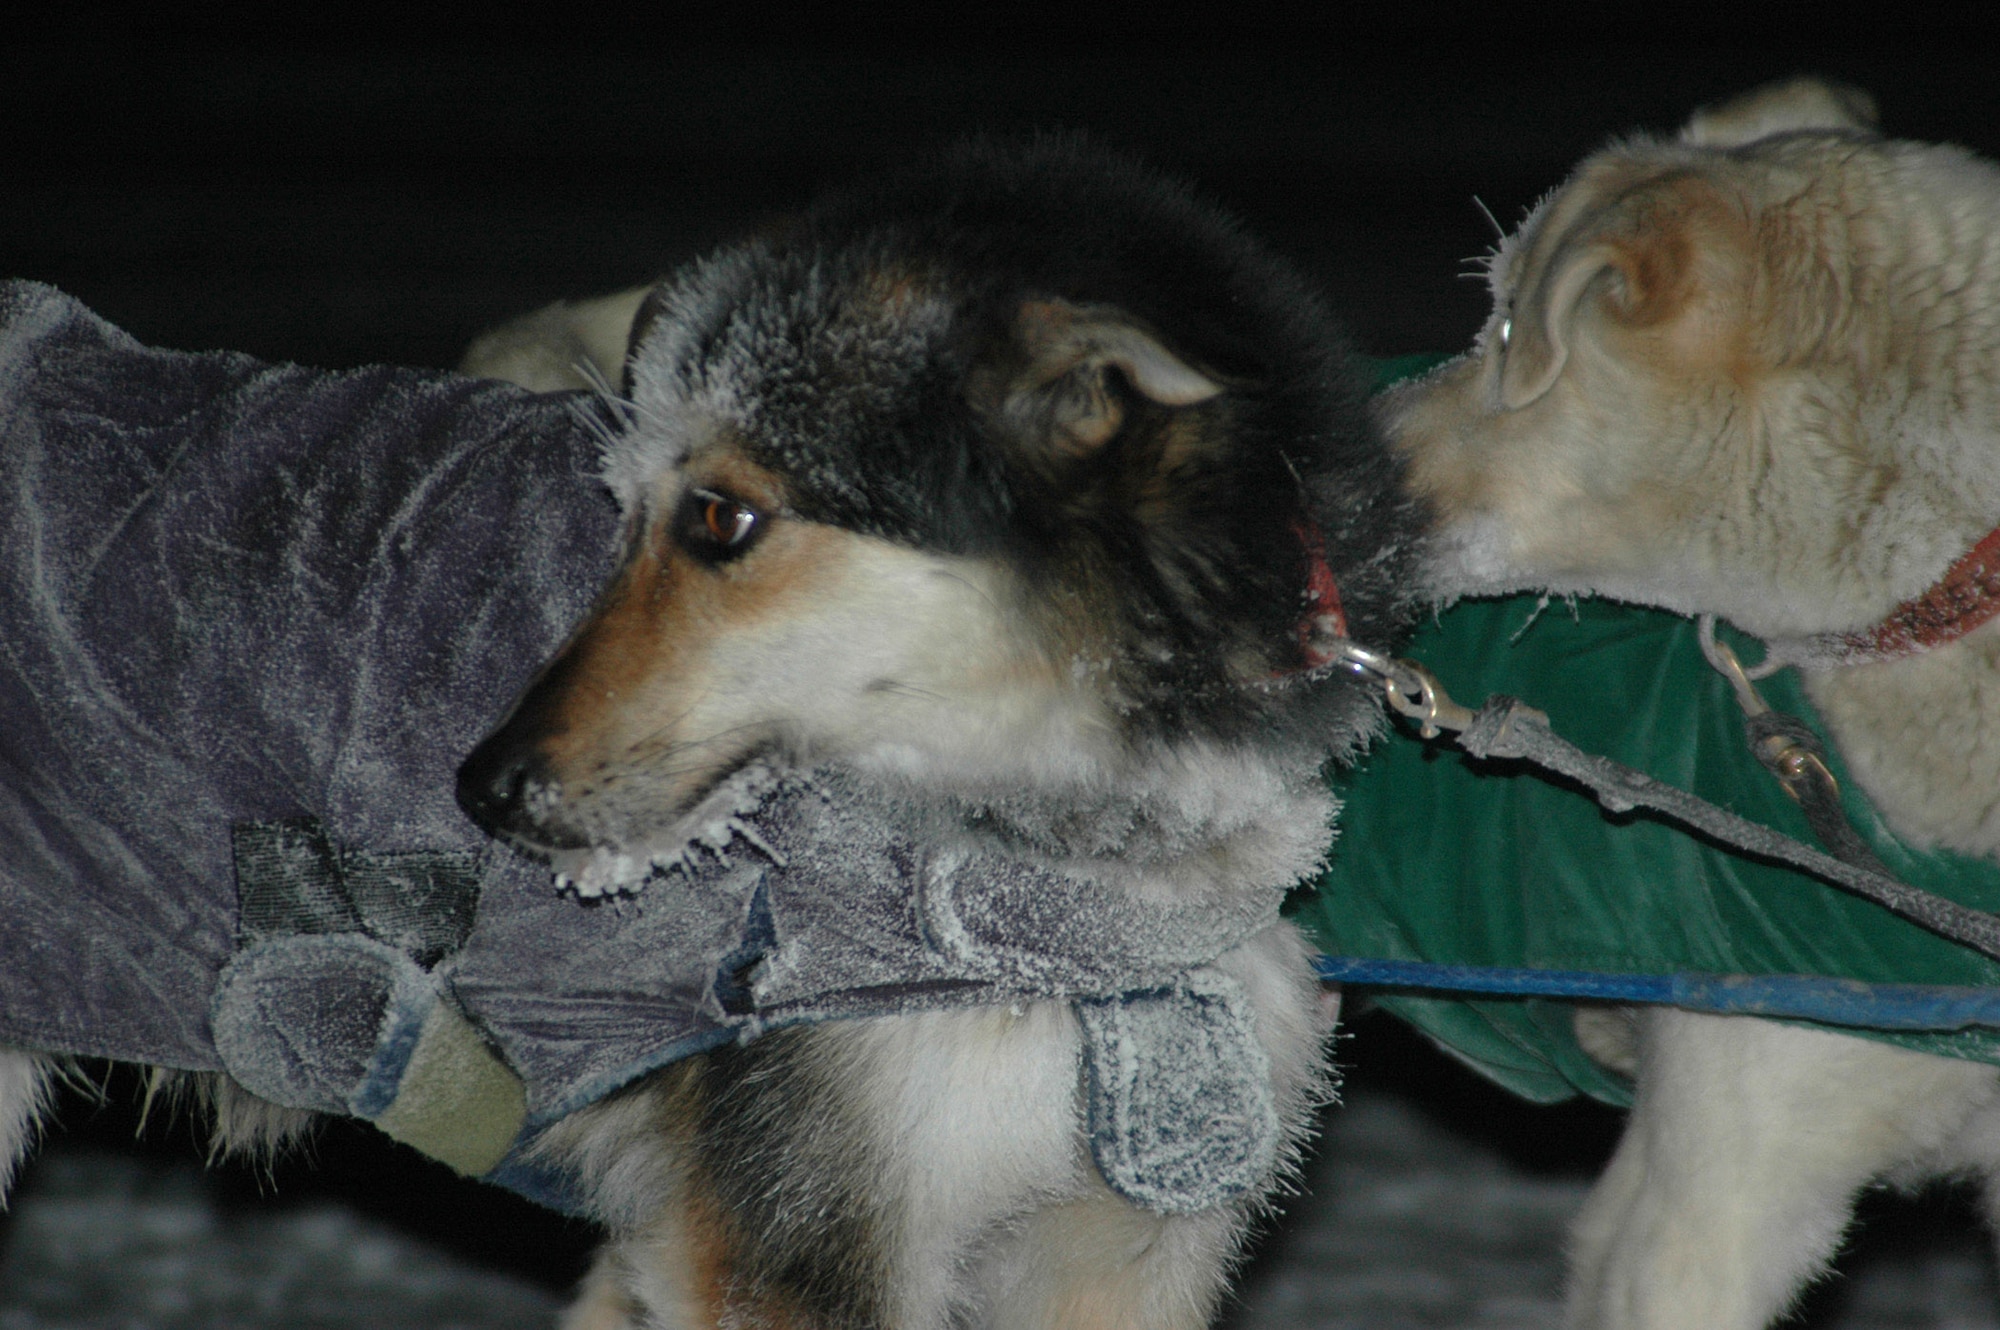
(1779, 108)
(1630, 261)
(1054, 386)
(652, 308)
(1535, 339)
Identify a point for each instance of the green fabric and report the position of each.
(1441, 862)
(1395, 369)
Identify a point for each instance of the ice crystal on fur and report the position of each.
(721, 820)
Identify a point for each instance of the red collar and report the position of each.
(1964, 598)
(1324, 619)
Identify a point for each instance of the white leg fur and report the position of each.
(24, 1094)
(1736, 1174)
(601, 1303)
(1099, 1263)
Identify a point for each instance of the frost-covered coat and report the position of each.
(254, 616)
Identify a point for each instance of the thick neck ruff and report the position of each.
(1967, 596)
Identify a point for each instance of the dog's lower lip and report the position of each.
(760, 752)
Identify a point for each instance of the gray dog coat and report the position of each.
(252, 618)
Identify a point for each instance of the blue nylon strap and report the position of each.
(1797, 997)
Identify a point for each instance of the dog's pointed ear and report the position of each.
(1630, 264)
(652, 308)
(1802, 103)
(1055, 386)
(1536, 333)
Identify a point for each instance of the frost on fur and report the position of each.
(710, 830)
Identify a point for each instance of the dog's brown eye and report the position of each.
(728, 523)
(716, 527)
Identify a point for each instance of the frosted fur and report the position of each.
(1757, 377)
(710, 830)
(24, 1096)
(679, 399)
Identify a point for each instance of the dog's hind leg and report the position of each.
(24, 1095)
(1738, 1169)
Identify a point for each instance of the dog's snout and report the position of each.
(503, 786)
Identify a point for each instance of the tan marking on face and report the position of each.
(893, 291)
(814, 643)
(719, 466)
(642, 665)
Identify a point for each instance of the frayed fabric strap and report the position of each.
(332, 1003)
(1181, 1112)
(1507, 728)
(341, 1023)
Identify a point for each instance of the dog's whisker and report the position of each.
(1499, 231)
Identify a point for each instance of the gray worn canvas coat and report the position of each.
(251, 618)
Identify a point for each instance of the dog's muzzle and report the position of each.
(509, 790)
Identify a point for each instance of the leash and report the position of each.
(1506, 728)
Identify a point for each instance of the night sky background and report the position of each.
(340, 190)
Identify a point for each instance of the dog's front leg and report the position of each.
(1100, 1263)
(1737, 1172)
(601, 1301)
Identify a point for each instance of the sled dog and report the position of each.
(1755, 372)
(1025, 483)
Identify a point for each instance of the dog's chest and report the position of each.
(1922, 736)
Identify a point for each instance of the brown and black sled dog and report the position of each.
(1028, 488)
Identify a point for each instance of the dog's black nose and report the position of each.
(497, 788)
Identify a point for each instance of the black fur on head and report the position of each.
(1043, 353)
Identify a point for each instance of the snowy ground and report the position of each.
(1433, 1202)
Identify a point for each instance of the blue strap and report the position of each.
(1792, 996)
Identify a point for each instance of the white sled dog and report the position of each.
(1009, 479)
(1755, 372)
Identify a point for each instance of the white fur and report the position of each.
(24, 1097)
(980, 1112)
(1804, 435)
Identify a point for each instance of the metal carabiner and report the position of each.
(1725, 662)
(1411, 690)
(1790, 761)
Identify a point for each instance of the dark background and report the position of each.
(342, 190)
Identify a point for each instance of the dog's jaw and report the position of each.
(708, 829)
